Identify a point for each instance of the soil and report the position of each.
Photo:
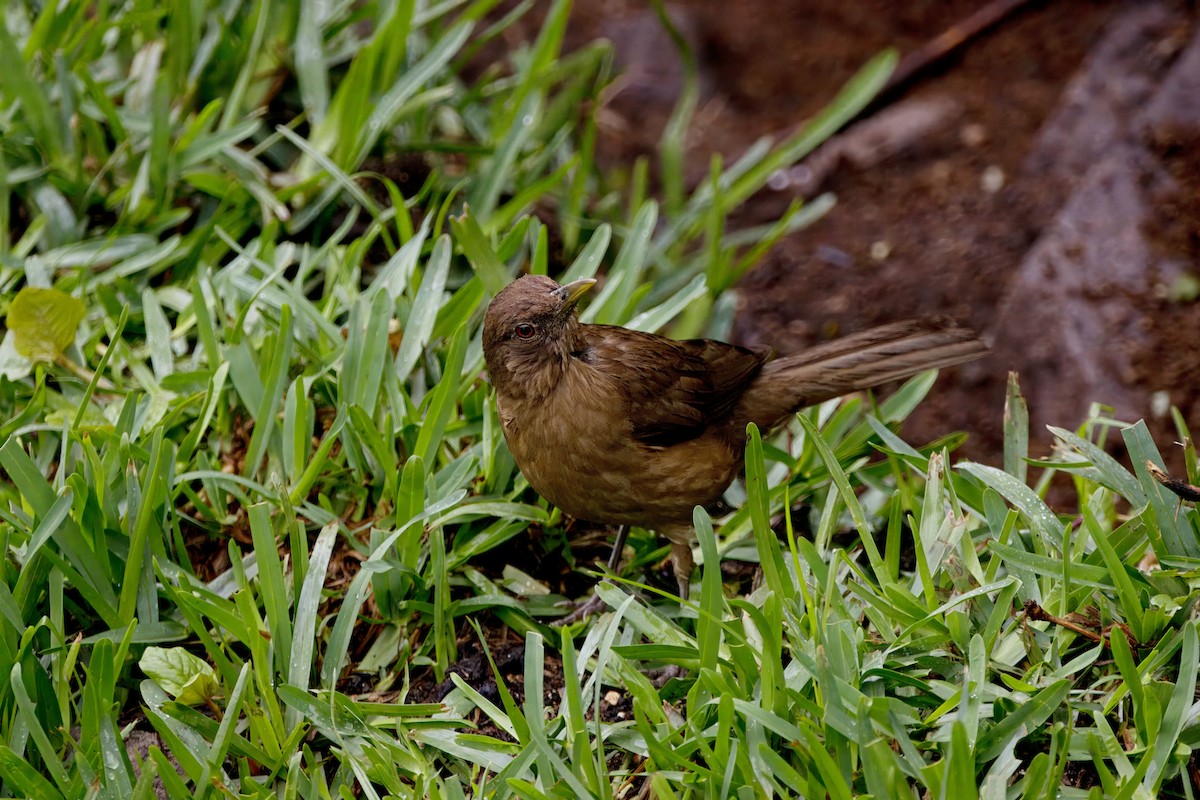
(967, 212)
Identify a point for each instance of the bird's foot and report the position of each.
(583, 609)
(660, 676)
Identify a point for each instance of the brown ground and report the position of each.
(1050, 203)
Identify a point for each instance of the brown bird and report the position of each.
(622, 427)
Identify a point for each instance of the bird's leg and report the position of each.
(614, 558)
(681, 538)
(594, 605)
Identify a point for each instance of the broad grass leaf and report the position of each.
(187, 678)
(44, 322)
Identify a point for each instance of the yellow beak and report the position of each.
(572, 292)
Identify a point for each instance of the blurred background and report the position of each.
(1035, 175)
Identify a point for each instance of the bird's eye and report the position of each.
(525, 331)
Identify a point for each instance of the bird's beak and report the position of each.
(571, 293)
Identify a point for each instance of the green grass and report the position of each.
(256, 502)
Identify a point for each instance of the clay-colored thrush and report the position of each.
(621, 427)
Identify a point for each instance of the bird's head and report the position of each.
(529, 333)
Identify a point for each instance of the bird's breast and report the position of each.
(576, 448)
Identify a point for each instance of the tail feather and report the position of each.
(853, 363)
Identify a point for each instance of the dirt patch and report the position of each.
(1171, 357)
(507, 651)
(946, 223)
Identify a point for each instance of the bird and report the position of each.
(622, 427)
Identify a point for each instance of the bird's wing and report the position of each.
(675, 388)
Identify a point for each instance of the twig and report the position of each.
(949, 40)
(1183, 489)
(1078, 623)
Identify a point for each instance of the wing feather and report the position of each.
(675, 389)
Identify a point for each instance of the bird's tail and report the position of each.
(853, 363)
